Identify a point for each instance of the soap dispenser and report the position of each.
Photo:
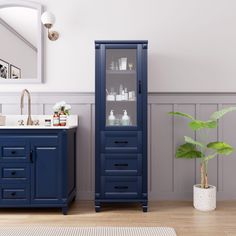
(111, 118)
(125, 119)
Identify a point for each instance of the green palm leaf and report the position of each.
(176, 113)
(188, 151)
(218, 114)
(190, 140)
(199, 124)
(221, 147)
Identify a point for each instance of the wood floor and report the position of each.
(179, 215)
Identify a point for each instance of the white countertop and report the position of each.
(12, 122)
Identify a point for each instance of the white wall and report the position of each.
(192, 42)
(18, 53)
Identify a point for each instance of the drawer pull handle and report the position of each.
(13, 173)
(13, 194)
(121, 187)
(139, 87)
(13, 152)
(120, 164)
(121, 142)
(31, 156)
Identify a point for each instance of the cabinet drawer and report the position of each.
(14, 148)
(14, 152)
(14, 193)
(121, 187)
(121, 141)
(12, 172)
(121, 164)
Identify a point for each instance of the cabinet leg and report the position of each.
(145, 207)
(64, 210)
(97, 207)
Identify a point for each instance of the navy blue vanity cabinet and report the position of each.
(121, 123)
(37, 167)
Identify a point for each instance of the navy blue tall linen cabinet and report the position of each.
(121, 123)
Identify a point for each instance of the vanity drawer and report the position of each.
(121, 141)
(14, 152)
(121, 187)
(14, 149)
(121, 164)
(13, 172)
(14, 193)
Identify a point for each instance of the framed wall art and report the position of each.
(15, 72)
(4, 69)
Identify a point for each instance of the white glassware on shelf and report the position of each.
(126, 95)
(111, 97)
(131, 66)
(121, 89)
(125, 119)
(132, 96)
(112, 65)
(123, 63)
(111, 118)
(118, 97)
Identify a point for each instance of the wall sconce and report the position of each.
(48, 20)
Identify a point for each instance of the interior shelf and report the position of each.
(122, 101)
(119, 72)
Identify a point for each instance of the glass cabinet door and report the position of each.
(121, 87)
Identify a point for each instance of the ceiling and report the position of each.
(23, 20)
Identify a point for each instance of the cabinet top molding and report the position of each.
(121, 42)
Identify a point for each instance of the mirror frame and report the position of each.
(39, 8)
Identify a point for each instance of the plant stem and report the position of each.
(202, 175)
(206, 174)
(206, 181)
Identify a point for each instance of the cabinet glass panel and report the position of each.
(121, 87)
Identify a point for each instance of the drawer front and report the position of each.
(14, 149)
(14, 152)
(121, 187)
(121, 141)
(14, 194)
(121, 164)
(14, 172)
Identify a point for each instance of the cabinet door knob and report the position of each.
(13, 194)
(31, 156)
(139, 87)
(13, 173)
(13, 152)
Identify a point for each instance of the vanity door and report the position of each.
(46, 171)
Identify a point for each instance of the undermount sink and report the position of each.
(12, 122)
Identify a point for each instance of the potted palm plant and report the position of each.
(204, 195)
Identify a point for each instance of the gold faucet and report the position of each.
(29, 119)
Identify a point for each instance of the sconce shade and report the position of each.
(48, 18)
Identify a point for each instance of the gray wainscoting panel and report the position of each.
(169, 178)
(184, 170)
(161, 159)
(229, 162)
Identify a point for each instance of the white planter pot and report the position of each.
(204, 199)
